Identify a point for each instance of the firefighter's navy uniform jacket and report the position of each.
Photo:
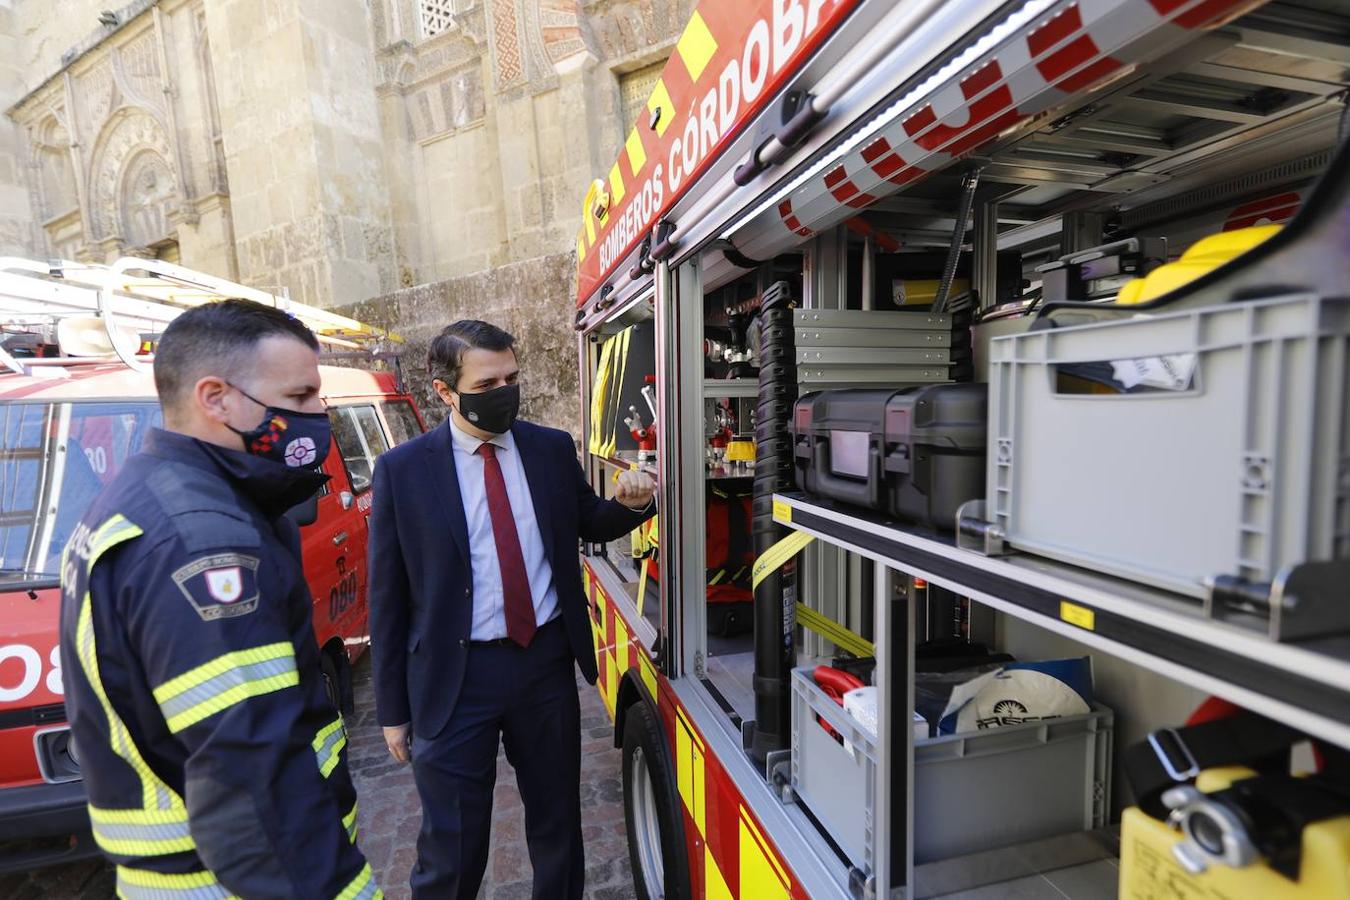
(212, 756)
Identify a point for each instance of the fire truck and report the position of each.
(76, 400)
(991, 358)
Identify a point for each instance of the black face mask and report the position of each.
(295, 439)
(274, 487)
(493, 411)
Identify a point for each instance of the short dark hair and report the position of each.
(217, 339)
(446, 355)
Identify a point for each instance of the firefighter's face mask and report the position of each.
(493, 410)
(295, 439)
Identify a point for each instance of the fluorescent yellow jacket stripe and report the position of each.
(224, 681)
(141, 884)
(349, 823)
(362, 887)
(138, 832)
(328, 744)
(155, 794)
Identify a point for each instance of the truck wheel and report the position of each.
(332, 685)
(652, 809)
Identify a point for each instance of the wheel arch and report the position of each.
(631, 690)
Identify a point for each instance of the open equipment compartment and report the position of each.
(1015, 196)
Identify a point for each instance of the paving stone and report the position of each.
(389, 828)
(516, 890)
(90, 879)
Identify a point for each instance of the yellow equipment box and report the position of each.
(1149, 871)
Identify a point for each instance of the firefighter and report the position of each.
(212, 755)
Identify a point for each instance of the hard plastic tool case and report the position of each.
(915, 453)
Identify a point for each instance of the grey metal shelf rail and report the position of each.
(1304, 684)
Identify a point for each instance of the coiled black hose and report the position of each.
(775, 615)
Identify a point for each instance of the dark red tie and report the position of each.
(516, 596)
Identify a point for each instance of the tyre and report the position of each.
(332, 685)
(652, 809)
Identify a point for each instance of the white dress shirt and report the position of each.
(489, 611)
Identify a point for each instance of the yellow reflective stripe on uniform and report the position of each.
(142, 884)
(138, 816)
(224, 681)
(349, 823)
(362, 887)
(155, 794)
(139, 832)
(328, 744)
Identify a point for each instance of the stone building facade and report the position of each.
(414, 161)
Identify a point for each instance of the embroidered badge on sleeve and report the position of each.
(221, 586)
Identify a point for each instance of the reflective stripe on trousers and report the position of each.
(141, 832)
(141, 884)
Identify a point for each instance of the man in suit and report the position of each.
(477, 615)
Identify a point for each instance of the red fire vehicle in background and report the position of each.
(76, 401)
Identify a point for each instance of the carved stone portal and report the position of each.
(132, 186)
(148, 195)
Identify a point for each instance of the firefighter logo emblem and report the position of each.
(301, 452)
(220, 586)
(225, 585)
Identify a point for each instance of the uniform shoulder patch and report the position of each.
(220, 586)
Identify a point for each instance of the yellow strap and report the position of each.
(642, 585)
(612, 386)
(620, 369)
(833, 632)
(618, 390)
(773, 559)
(598, 397)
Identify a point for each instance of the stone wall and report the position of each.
(335, 149)
(495, 125)
(16, 217)
(532, 299)
(118, 138)
(302, 140)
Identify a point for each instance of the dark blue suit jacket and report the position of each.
(421, 578)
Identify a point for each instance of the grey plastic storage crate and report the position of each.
(972, 792)
(1240, 466)
(837, 786)
(1011, 784)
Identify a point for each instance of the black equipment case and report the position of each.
(917, 453)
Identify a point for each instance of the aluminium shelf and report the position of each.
(1304, 684)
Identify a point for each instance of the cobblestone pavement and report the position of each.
(390, 815)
